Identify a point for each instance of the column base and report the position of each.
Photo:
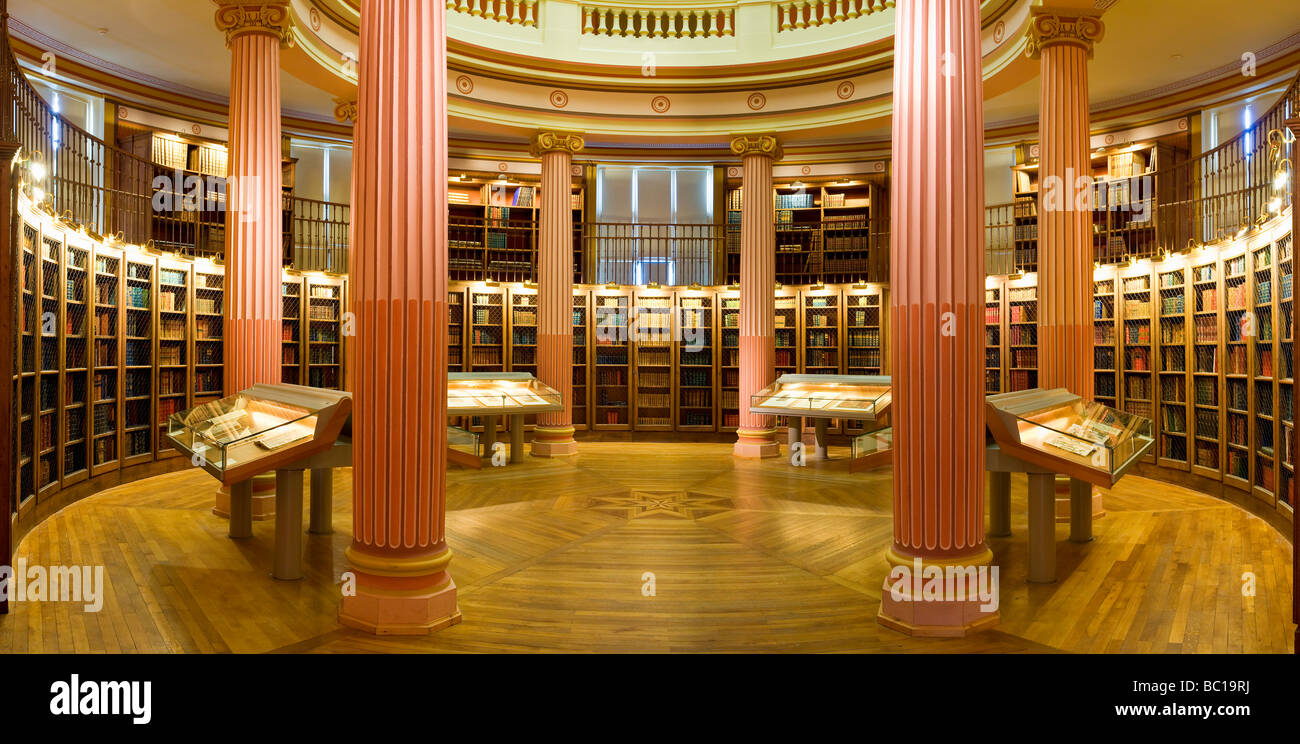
(937, 614)
(756, 443)
(553, 442)
(400, 594)
(1063, 500)
(263, 499)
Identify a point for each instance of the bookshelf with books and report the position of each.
(697, 361)
(25, 380)
(487, 330)
(865, 316)
(1237, 331)
(492, 228)
(1264, 382)
(729, 359)
(138, 394)
(1022, 333)
(50, 382)
(579, 405)
(208, 351)
(654, 350)
(1024, 213)
(827, 232)
(994, 379)
(523, 330)
(822, 337)
(1284, 373)
(75, 323)
(1206, 308)
(174, 383)
(323, 319)
(1173, 378)
(1138, 337)
(1105, 332)
(611, 369)
(456, 329)
(786, 332)
(291, 335)
(106, 378)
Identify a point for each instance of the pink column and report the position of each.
(756, 435)
(1063, 41)
(553, 436)
(936, 318)
(255, 32)
(399, 553)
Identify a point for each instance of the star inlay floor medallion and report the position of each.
(660, 505)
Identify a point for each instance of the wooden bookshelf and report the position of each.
(1105, 339)
(1173, 377)
(487, 330)
(492, 229)
(292, 365)
(611, 357)
(830, 232)
(323, 320)
(456, 329)
(994, 379)
(75, 323)
(523, 330)
(1022, 333)
(581, 396)
(140, 394)
(26, 389)
(175, 287)
(209, 338)
(697, 360)
(1215, 324)
(1284, 373)
(654, 353)
(1263, 382)
(729, 359)
(787, 335)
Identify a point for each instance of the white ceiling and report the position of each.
(177, 41)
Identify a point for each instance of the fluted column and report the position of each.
(553, 436)
(255, 32)
(936, 312)
(756, 434)
(1062, 40)
(399, 554)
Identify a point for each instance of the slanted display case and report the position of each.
(498, 394)
(260, 429)
(857, 397)
(1058, 430)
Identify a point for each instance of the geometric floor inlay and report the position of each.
(659, 504)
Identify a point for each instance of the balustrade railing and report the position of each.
(799, 14)
(677, 23)
(638, 254)
(517, 12)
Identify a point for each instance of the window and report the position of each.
(654, 224)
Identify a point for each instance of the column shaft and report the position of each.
(756, 434)
(399, 297)
(253, 216)
(554, 434)
(936, 303)
(1065, 252)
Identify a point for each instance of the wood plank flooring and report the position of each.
(746, 556)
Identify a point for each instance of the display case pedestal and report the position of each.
(1063, 500)
(1042, 509)
(262, 506)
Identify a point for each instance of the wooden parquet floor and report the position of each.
(746, 556)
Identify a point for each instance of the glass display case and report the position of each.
(857, 397)
(872, 449)
(1059, 430)
(259, 429)
(499, 393)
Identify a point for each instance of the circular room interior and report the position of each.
(511, 326)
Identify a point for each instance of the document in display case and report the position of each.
(857, 397)
(260, 429)
(1058, 430)
(499, 394)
